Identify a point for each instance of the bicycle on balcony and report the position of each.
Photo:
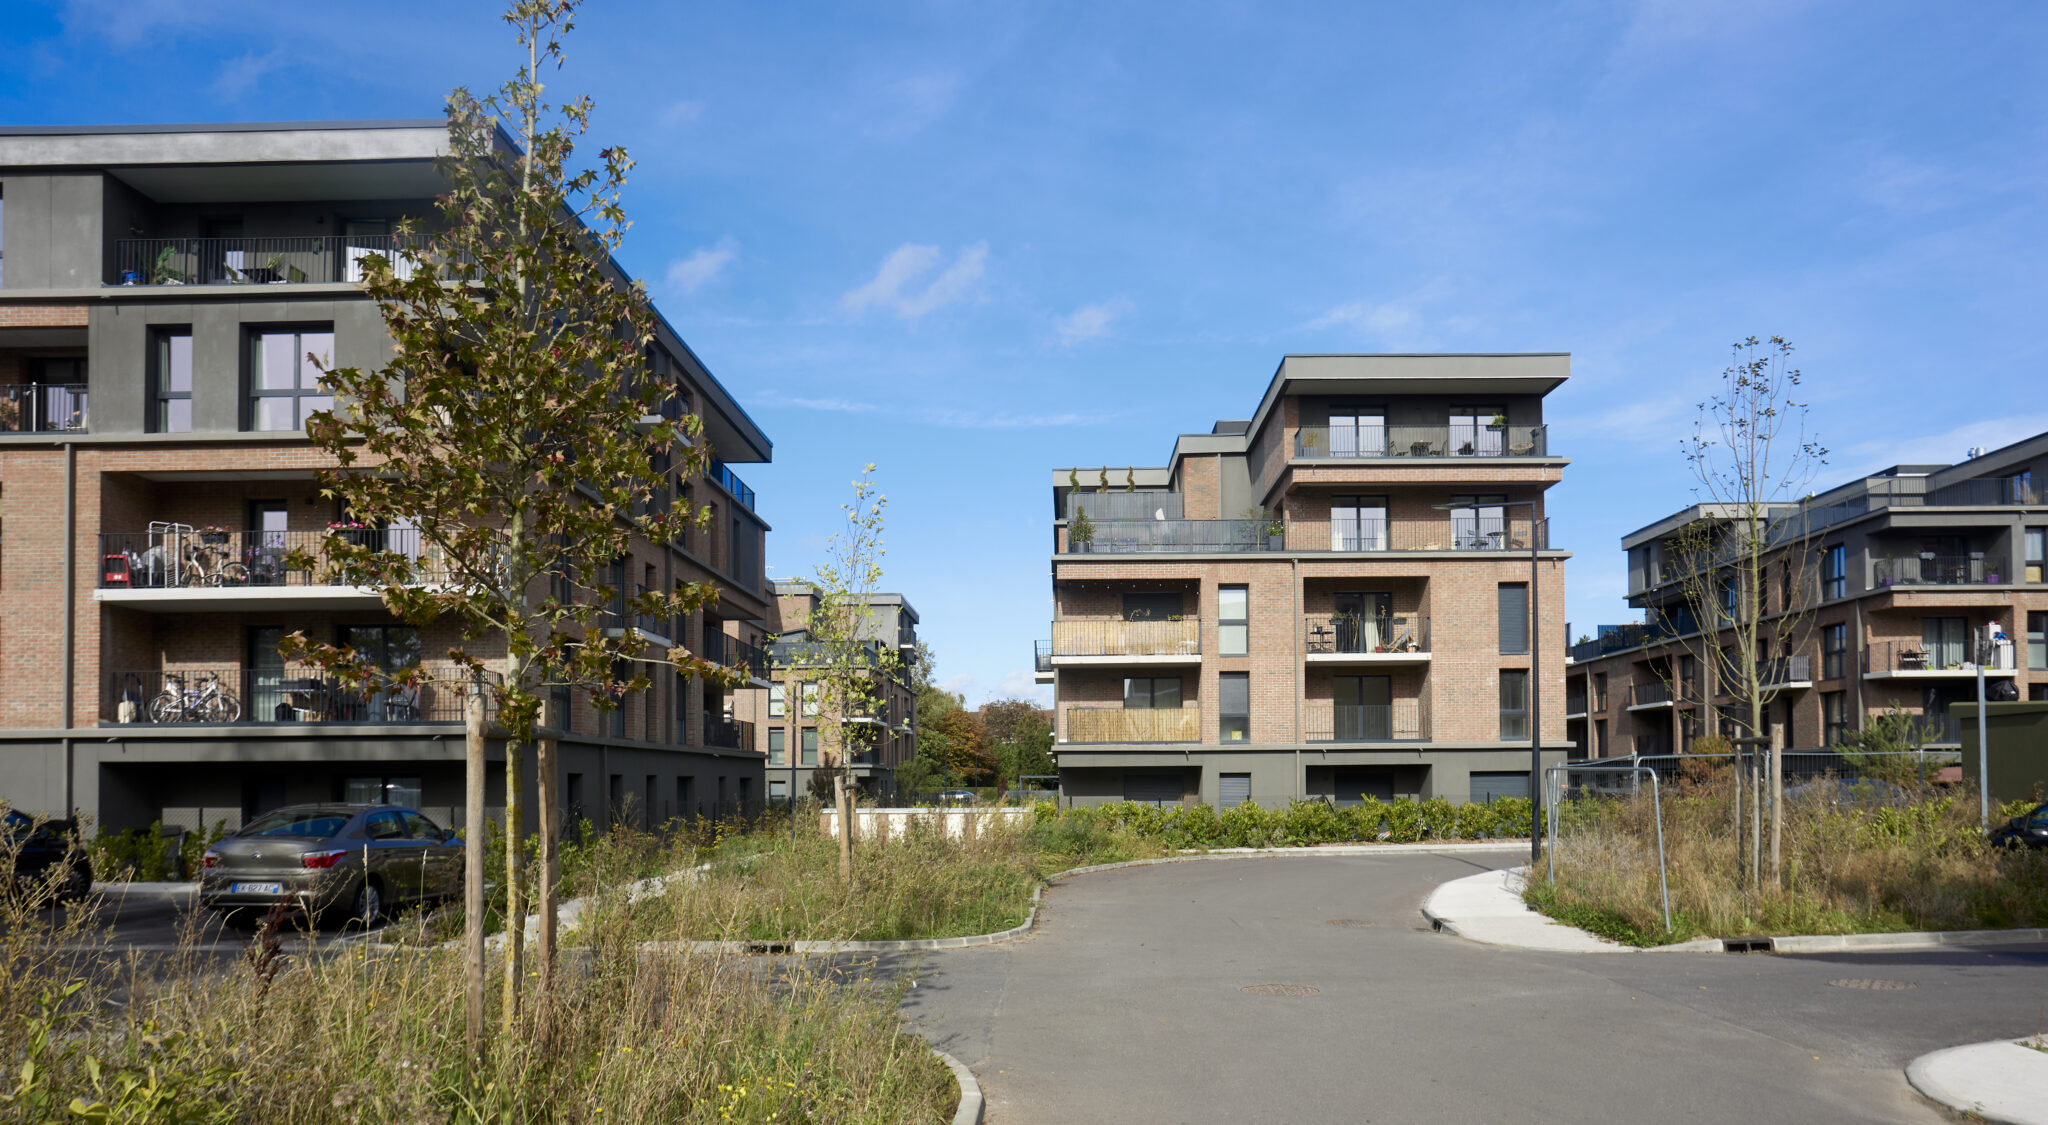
(205, 700)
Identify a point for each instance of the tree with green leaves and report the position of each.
(1019, 739)
(516, 429)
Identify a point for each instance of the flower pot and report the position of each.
(213, 538)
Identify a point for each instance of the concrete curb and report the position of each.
(1923, 939)
(1996, 1081)
(969, 1112)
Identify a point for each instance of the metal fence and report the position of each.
(260, 261)
(228, 694)
(1327, 634)
(174, 555)
(1362, 536)
(1403, 720)
(1554, 786)
(1376, 440)
(1806, 765)
(43, 408)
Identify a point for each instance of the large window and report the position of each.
(1233, 630)
(390, 647)
(171, 382)
(778, 702)
(1834, 571)
(809, 747)
(1358, 523)
(284, 383)
(1834, 713)
(1946, 640)
(1234, 706)
(1514, 704)
(1513, 603)
(1473, 433)
(1479, 523)
(2037, 554)
(1151, 693)
(1834, 651)
(2037, 639)
(1355, 432)
(778, 742)
(2018, 488)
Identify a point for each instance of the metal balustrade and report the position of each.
(230, 694)
(1361, 536)
(43, 408)
(1935, 570)
(1384, 441)
(260, 261)
(1340, 633)
(1403, 720)
(175, 555)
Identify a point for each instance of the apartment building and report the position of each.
(1911, 577)
(798, 731)
(158, 288)
(1329, 599)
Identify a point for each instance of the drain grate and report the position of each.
(1294, 990)
(1355, 923)
(1872, 984)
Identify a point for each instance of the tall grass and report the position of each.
(1850, 867)
(347, 1032)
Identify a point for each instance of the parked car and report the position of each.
(2027, 830)
(958, 797)
(40, 846)
(339, 863)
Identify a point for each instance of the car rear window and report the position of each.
(311, 824)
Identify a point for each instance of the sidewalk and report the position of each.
(1488, 908)
(1997, 1081)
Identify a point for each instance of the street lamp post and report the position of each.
(1535, 668)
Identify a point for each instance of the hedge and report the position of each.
(1304, 823)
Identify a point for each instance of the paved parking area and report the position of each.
(1308, 989)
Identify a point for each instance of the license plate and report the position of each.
(256, 888)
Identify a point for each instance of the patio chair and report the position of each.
(402, 705)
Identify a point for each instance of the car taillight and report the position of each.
(322, 859)
(210, 859)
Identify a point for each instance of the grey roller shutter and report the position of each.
(1235, 789)
(1153, 788)
(1487, 786)
(1514, 617)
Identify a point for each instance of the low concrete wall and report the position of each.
(868, 823)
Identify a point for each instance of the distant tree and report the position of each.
(1019, 738)
(1885, 746)
(959, 742)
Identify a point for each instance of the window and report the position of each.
(1834, 715)
(1514, 704)
(1356, 432)
(2018, 488)
(1234, 706)
(1151, 607)
(2037, 639)
(1358, 523)
(382, 791)
(778, 740)
(1730, 600)
(1945, 639)
(778, 702)
(808, 747)
(1599, 691)
(1486, 785)
(1233, 632)
(684, 806)
(810, 701)
(1513, 600)
(171, 382)
(389, 647)
(2037, 554)
(1599, 738)
(1834, 651)
(1834, 571)
(1473, 433)
(778, 790)
(284, 384)
(1689, 678)
(1152, 693)
(1480, 524)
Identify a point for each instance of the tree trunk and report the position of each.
(841, 805)
(1777, 805)
(549, 804)
(515, 888)
(473, 907)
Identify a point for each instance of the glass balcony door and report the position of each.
(1473, 433)
(1357, 433)
(1363, 621)
(1363, 708)
(1358, 523)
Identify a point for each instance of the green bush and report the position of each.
(1302, 823)
(144, 855)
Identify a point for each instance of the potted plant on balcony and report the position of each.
(213, 536)
(163, 273)
(1500, 421)
(1081, 532)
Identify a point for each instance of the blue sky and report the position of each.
(973, 241)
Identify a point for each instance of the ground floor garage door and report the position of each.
(1487, 786)
(1234, 789)
(1154, 788)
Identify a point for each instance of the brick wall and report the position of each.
(20, 315)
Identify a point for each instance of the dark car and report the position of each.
(2028, 830)
(339, 863)
(47, 854)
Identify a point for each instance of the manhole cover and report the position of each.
(1872, 985)
(1279, 990)
(1353, 922)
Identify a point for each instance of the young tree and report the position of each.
(850, 658)
(1753, 461)
(515, 429)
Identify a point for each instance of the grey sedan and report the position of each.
(339, 863)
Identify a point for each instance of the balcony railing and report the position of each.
(224, 694)
(177, 556)
(731, 482)
(729, 734)
(1421, 441)
(1935, 570)
(731, 652)
(1125, 537)
(1327, 633)
(1403, 720)
(42, 408)
(1115, 637)
(1131, 724)
(1785, 670)
(1041, 656)
(257, 261)
(1649, 695)
(1914, 656)
(1575, 704)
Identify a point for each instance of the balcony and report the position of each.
(728, 734)
(731, 482)
(1398, 638)
(1131, 724)
(1142, 537)
(330, 259)
(1113, 641)
(1041, 661)
(175, 566)
(1575, 706)
(43, 408)
(731, 652)
(1786, 672)
(1913, 660)
(652, 629)
(1929, 569)
(1403, 720)
(1382, 442)
(1649, 697)
(230, 695)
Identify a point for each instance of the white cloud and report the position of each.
(681, 113)
(905, 106)
(895, 284)
(1943, 448)
(1383, 318)
(1091, 321)
(687, 275)
(1021, 684)
(238, 76)
(958, 684)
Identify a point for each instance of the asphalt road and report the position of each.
(1128, 1003)
(149, 924)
